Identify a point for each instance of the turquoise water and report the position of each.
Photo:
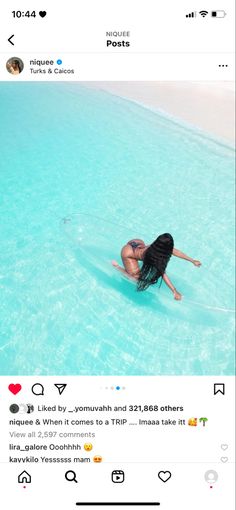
(67, 149)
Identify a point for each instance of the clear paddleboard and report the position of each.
(98, 241)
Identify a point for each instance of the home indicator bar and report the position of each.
(119, 504)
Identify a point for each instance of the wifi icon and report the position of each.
(203, 13)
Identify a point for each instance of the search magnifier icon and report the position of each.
(70, 476)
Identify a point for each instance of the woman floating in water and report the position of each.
(155, 258)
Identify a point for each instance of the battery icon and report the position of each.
(218, 14)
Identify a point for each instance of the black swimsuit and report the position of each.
(134, 244)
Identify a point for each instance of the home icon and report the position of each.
(24, 477)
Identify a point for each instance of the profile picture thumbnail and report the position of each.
(15, 65)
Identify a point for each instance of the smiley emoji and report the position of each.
(88, 447)
(97, 458)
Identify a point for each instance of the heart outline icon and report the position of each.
(164, 476)
(224, 446)
(42, 14)
(224, 459)
(14, 388)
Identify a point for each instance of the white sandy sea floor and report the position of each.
(206, 105)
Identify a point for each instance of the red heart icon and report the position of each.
(14, 388)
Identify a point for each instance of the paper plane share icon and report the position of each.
(60, 387)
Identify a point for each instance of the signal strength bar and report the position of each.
(191, 14)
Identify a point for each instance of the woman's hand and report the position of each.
(177, 295)
(197, 263)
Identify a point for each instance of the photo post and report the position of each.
(117, 260)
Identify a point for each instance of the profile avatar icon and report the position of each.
(15, 65)
(211, 477)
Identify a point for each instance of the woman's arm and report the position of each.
(167, 281)
(181, 255)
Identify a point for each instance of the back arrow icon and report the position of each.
(10, 40)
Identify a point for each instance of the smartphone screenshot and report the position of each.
(117, 255)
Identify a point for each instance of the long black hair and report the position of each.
(155, 260)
